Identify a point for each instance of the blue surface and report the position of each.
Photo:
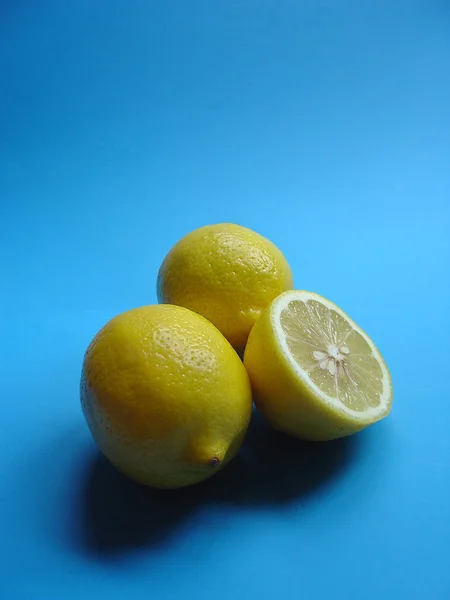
(324, 126)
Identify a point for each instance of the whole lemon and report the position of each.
(227, 273)
(166, 397)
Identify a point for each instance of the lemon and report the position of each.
(166, 397)
(227, 273)
(316, 375)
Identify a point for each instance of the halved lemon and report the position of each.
(315, 374)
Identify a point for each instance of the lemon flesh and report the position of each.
(315, 373)
(227, 273)
(166, 397)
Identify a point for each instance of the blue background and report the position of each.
(324, 125)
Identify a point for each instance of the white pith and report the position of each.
(330, 358)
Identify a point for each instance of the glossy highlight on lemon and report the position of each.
(315, 374)
(166, 397)
(227, 273)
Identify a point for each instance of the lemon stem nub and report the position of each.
(214, 461)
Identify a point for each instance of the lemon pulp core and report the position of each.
(333, 355)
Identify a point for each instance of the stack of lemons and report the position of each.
(163, 389)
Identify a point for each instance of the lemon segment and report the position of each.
(315, 373)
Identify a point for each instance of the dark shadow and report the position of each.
(119, 513)
(271, 468)
(276, 468)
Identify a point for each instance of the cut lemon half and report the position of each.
(315, 374)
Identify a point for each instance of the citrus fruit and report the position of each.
(228, 274)
(315, 373)
(166, 397)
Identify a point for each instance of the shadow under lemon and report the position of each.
(271, 468)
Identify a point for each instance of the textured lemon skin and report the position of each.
(166, 397)
(283, 398)
(227, 273)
